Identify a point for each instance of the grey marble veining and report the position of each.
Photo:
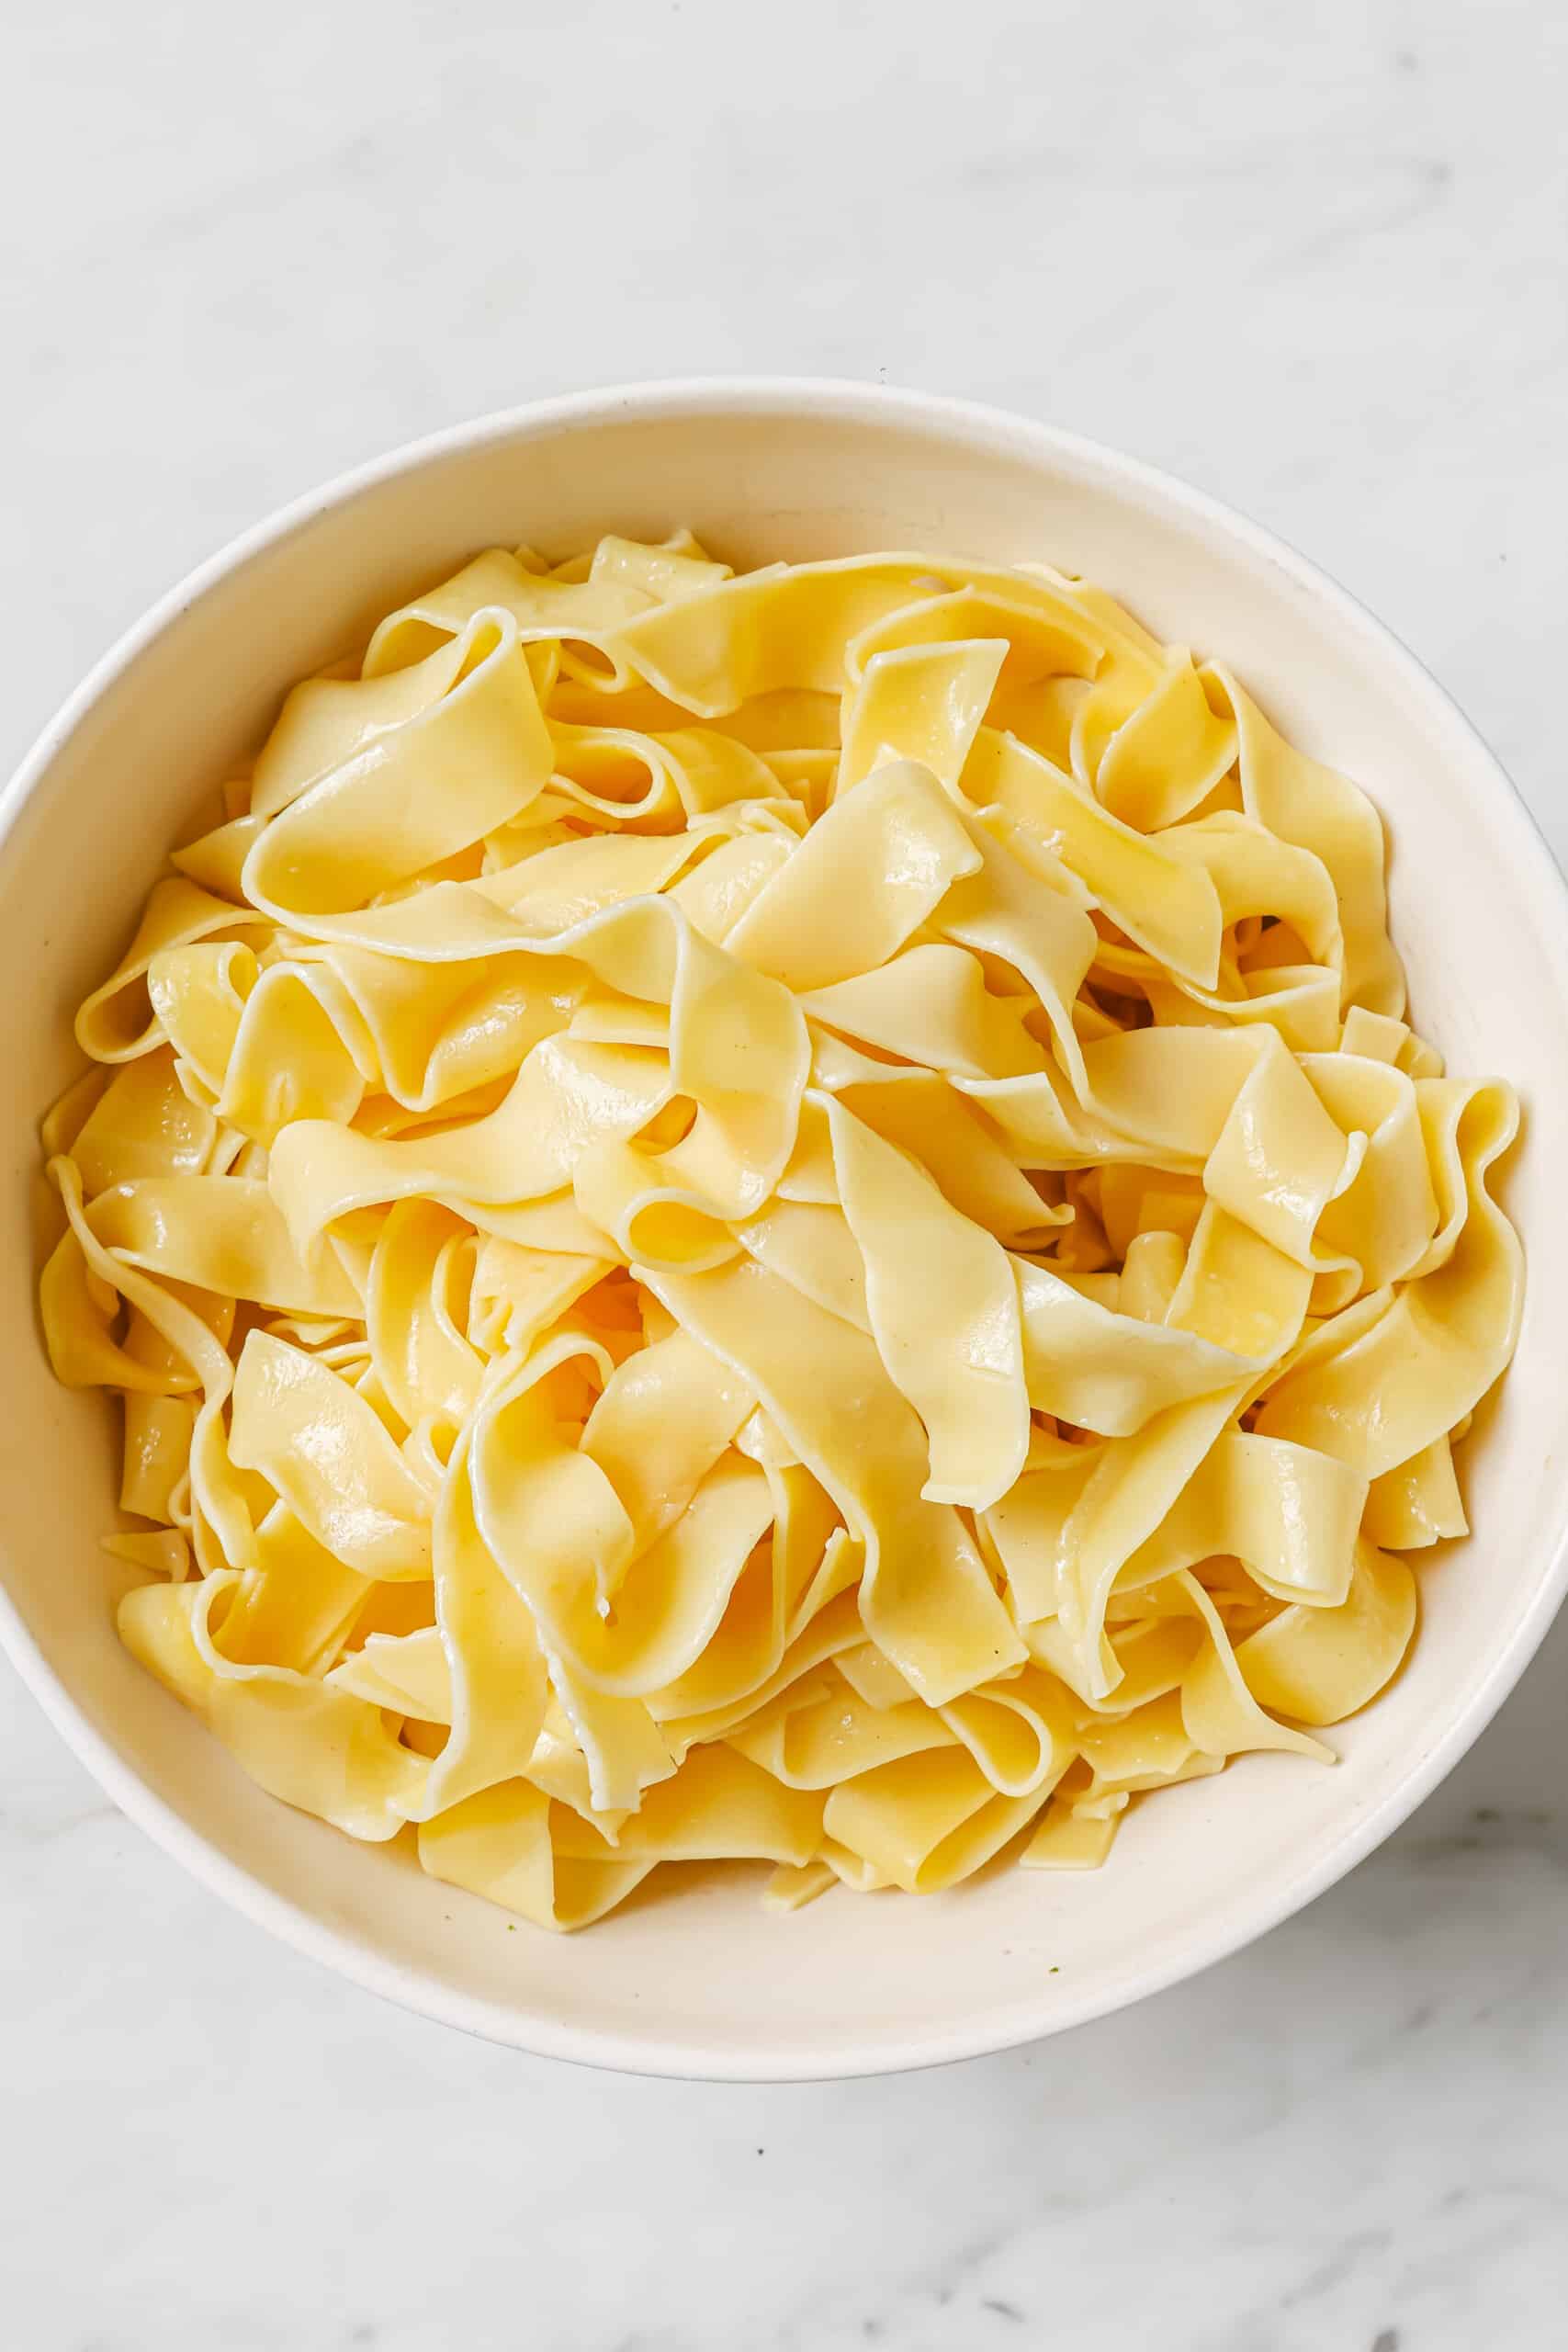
(1315, 262)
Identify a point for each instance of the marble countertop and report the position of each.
(1310, 260)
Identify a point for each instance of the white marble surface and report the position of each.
(1314, 260)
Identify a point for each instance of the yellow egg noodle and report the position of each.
(785, 1217)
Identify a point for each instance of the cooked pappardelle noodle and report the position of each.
(783, 1217)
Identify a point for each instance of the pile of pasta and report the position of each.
(783, 1218)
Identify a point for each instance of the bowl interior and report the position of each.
(693, 1977)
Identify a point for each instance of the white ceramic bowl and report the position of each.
(705, 1983)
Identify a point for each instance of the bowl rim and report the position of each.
(959, 423)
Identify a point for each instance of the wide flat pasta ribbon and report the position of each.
(925, 1596)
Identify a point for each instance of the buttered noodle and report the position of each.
(783, 1217)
